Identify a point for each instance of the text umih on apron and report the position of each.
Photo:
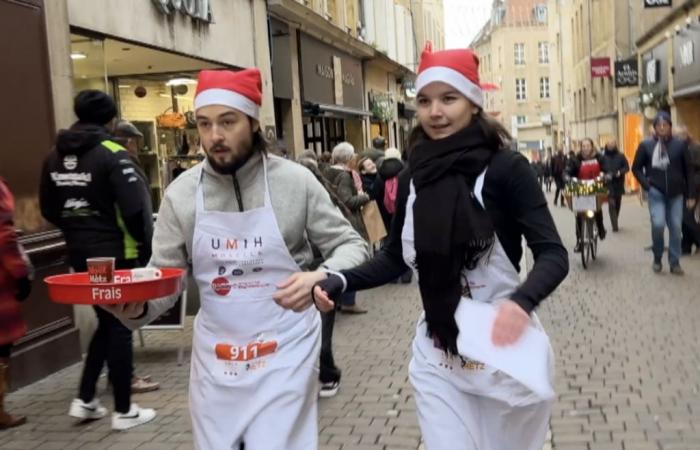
(465, 404)
(254, 374)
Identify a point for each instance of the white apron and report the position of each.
(254, 374)
(466, 401)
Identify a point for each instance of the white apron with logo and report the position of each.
(465, 404)
(254, 374)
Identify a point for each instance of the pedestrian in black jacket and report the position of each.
(691, 228)
(463, 206)
(615, 166)
(558, 173)
(663, 168)
(92, 191)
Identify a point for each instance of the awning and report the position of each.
(687, 92)
(319, 109)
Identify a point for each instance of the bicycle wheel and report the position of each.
(593, 239)
(585, 248)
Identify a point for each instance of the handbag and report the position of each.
(373, 222)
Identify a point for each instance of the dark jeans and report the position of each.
(5, 351)
(559, 193)
(347, 299)
(691, 231)
(328, 370)
(614, 207)
(598, 221)
(111, 343)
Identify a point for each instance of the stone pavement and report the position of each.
(627, 366)
(627, 345)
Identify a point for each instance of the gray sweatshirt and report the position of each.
(303, 208)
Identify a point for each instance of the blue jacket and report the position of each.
(673, 181)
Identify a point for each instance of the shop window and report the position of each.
(154, 90)
(89, 68)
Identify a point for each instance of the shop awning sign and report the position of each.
(626, 73)
(600, 67)
(196, 9)
(657, 3)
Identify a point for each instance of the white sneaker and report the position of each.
(135, 417)
(329, 389)
(81, 410)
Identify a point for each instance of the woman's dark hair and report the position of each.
(589, 140)
(497, 137)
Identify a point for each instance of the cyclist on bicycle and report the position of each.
(587, 165)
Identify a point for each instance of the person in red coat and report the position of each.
(15, 286)
(588, 165)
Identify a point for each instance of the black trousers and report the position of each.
(559, 193)
(691, 231)
(614, 207)
(598, 221)
(112, 343)
(5, 351)
(328, 372)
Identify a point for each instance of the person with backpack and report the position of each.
(387, 191)
(463, 207)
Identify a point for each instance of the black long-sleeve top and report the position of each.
(516, 203)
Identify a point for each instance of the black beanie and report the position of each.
(96, 107)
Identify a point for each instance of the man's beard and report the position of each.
(230, 167)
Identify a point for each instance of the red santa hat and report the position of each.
(458, 68)
(240, 90)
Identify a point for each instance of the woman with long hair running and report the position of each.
(482, 366)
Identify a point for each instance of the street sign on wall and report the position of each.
(657, 3)
(600, 67)
(626, 73)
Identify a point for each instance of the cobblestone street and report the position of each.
(628, 360)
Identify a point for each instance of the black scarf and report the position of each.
(452, 230)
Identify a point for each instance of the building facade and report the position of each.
(149, 67)
(335, 81)
(516, 64)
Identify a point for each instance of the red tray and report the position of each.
(76, 289)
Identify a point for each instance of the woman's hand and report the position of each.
(321, 300)
(325, 291)
(511, 322)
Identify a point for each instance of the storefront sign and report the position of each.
(652, 71)
(328, 75)
(687, 54)
(600, 67)
(326, 71)
(686, 76)
(657, 3)
(626, 73)
(196, 9)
